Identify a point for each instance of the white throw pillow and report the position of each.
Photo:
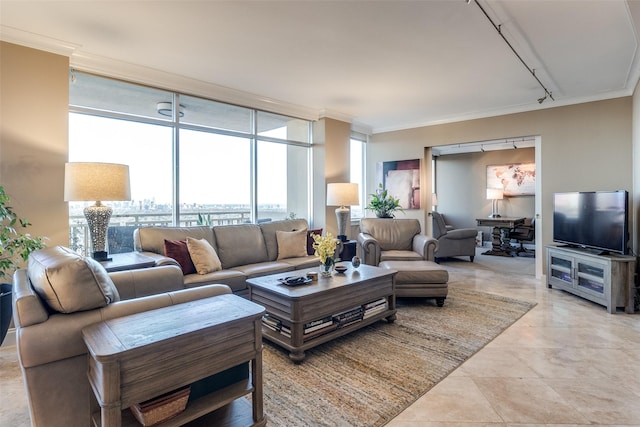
(292, 244)
(203, 255)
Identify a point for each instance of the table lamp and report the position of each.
(342, 195)
(97, 181)
(494, 194)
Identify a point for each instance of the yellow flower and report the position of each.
(325, 247)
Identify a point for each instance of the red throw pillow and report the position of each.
(310, 250)
(177, 249)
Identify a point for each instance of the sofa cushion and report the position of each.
(240, 244)
(203, 255)
(68, 282)
(310, 241)
(151, 239)
(291, 244)
(178, 250)
(269, 232)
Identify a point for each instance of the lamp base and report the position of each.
(495, 216)
(342, 217)
(342, 237)
(101, 256)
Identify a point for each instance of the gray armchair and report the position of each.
(384, 239)
(453, 242)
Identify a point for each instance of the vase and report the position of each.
(326, 268)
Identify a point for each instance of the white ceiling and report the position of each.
(383, 65)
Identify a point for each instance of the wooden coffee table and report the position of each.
(301, 317)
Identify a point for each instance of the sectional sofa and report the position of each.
(244, 251)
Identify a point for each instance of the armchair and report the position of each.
(383, 239)
(453, 242)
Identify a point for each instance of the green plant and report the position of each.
(15, 246)
(383, 203)
(204, 220)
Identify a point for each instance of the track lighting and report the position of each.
(532, 71)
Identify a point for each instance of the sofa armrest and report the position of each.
(425, 246)
(147, 281)
(462, 233)
(160, 259)
(370, 249)
(60, 337)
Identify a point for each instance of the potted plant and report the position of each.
(383, 203)
(16, 247)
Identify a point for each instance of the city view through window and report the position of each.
(206, 168)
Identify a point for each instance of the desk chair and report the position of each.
(524, 233)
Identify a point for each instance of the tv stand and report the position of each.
(605, 279)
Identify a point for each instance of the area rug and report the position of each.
(363, 379)
(370, 376)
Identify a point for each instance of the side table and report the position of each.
(127, 261)
(349, 250)
(138, 357)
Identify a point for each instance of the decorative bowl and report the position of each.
(341, 268)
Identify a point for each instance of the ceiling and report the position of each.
(382, 65)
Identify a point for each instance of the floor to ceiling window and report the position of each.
(211, 163)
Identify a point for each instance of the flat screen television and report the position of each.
(596, 220)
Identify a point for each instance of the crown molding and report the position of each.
(37, 41)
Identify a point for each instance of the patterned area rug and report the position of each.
(368, 377)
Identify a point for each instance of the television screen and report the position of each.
(594, 220)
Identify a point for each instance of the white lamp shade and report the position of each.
(96, 182)
(495, 194)
(342, 194)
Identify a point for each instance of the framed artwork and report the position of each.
(517, 179)
(401, 179)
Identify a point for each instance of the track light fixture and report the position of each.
(532, 71)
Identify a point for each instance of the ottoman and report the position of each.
(424, 279)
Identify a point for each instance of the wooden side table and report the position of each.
(349, 250)
(138, 357)
(128, 261)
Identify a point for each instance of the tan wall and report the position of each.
(34, 105)
(584, 147)
(336, 167)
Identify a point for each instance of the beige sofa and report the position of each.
(57, 296)
(245, 250)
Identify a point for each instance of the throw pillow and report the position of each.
(69, 282)
(291, 243)
(203, 255)
(177, 249)
(310, 250)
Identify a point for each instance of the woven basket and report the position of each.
(161, 408)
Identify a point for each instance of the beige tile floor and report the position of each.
(566, 362)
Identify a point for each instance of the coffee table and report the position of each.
(301, 317)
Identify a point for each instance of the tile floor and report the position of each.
(566, 362)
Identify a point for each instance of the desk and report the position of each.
(500, 244)
(137, 357)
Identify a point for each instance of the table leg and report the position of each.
(499, 244)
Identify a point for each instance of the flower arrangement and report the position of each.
(383, 203)
(325, 247)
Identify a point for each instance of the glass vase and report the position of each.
(326, 268)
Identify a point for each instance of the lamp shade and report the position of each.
(495, 194)
(96, 182)
(342, 194)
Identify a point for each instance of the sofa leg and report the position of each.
(440, 301)
(471, 258)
